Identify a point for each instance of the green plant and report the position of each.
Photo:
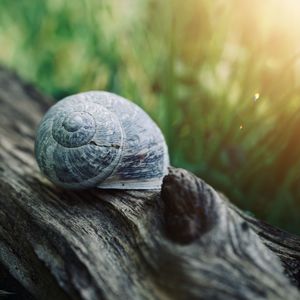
(220, 77)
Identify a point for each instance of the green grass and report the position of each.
(195, 66)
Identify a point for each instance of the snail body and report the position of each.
(99, 139)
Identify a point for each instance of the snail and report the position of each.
(100, 139)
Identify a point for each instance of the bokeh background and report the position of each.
(220, 77)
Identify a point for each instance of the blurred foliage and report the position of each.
(220, 77)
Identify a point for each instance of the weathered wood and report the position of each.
(188, 242)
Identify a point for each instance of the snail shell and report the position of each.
(99, 139)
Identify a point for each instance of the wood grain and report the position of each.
(186, 242)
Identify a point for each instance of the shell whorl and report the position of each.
(100, 139)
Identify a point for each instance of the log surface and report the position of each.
(185, 242)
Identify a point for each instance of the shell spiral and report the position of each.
(99, 139)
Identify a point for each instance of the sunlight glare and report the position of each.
(256, 97)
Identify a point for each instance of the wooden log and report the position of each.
(186, 242)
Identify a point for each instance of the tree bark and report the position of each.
(186, 241)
